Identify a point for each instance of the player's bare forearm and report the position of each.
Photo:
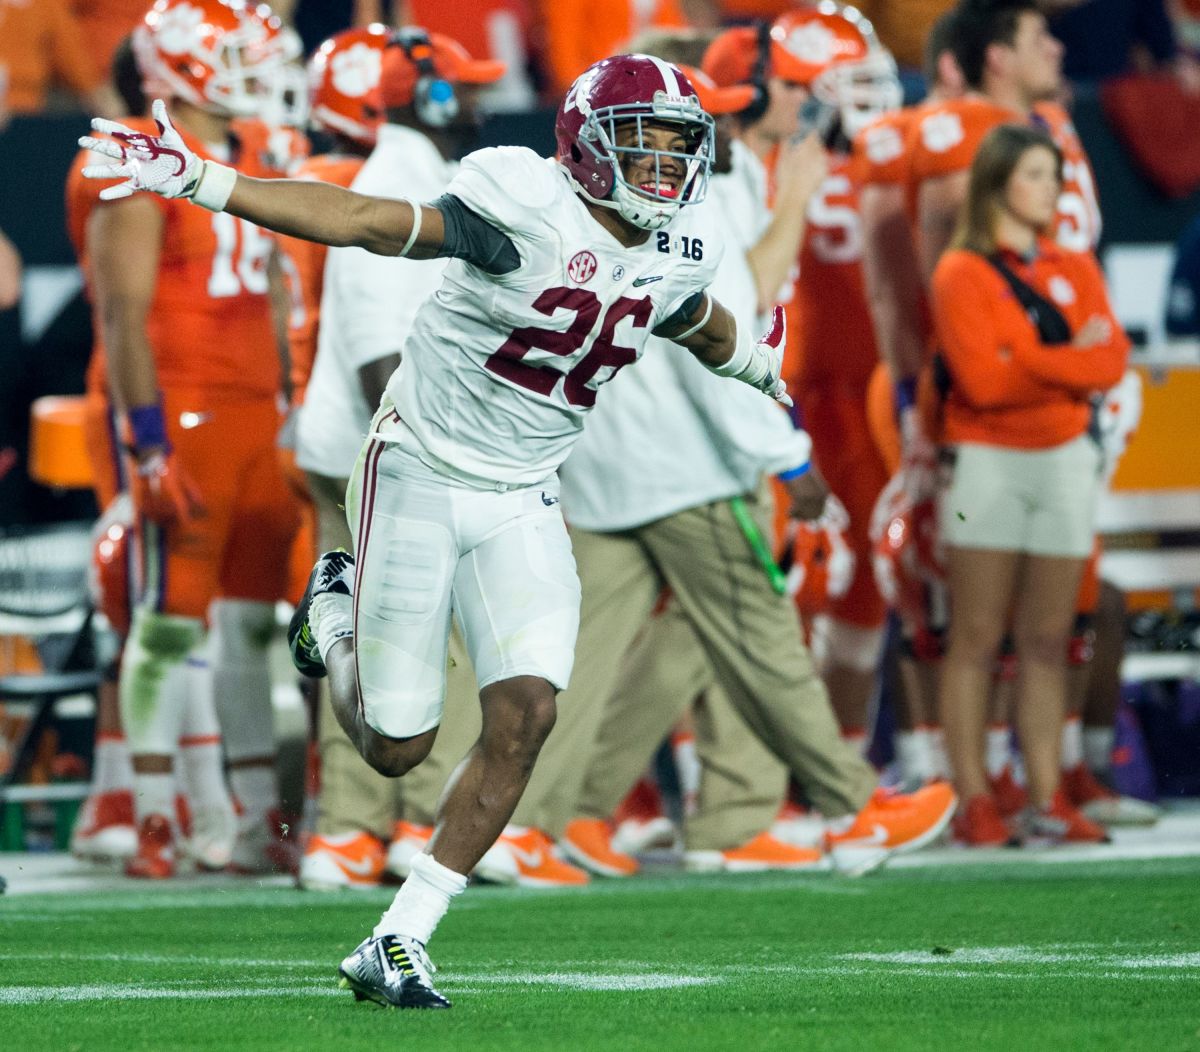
(893, 279)
(939, 203)
(330, 215)
(714, 342)
(123, 243)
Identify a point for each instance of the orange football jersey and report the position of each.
(948, 135)
(210, 323)
(305, 268)
(831, 336)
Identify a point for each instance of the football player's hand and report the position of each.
(1094, 332)
(808, 493)
(162, 164)
(162, 491)
(770, 345)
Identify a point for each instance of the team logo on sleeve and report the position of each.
(582, 267)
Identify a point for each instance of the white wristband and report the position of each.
(699, 325)
(214, 187)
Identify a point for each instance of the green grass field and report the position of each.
(1015, 957)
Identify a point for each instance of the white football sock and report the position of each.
(112, 771)
(914, 753)
(687, 769)
(1098, 748)
(256, 790)
(154, 794)
(422, 900)
(201, 760)
(1072, 743)
(331, 617)
(937, 749)
(998, 750)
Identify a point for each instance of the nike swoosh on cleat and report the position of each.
(549, 501)
(878, 837)
(639, 282)
(360, 867)
(528, 859)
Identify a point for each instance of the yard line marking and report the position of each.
(591, 980)
(28, 995)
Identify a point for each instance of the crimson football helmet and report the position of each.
(221, 55)
(818, 559)
(343, 78)
(833, 50)
(632, 90)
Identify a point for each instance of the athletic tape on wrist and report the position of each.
(215, 186)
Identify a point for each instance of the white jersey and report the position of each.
(670, 435)
(500, 371)
(368, 304)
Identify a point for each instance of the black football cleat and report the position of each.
(333, 572)
(392, 971)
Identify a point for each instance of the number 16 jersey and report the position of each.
(499, 371)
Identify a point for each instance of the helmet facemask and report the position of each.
(645, 208)
(862, 91)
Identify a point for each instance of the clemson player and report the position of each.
(188, 343)
(903, 327)
(832, 351)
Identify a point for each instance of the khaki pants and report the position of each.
(355, 797)
(749, 636)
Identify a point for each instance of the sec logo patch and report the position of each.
(582, 267)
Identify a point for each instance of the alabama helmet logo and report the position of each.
(582, 267)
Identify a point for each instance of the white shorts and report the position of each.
(1040, 501)
(429, 545)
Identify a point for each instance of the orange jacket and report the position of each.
(1008, 388)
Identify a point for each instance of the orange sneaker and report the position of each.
(155, 858)
(350, 860)
(979, 823)
(526, 857)
(762, 853)
(589, 843)
(408, 841)
(890, 823)
(1010, 797)
(105, 827)
(1060, 823)
(1097, 801)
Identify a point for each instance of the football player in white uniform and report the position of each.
(562, 270)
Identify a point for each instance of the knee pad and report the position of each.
(154, 682)
(840, 644)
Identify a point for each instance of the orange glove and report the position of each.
(162, 492)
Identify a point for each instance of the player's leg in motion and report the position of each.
(380, 628)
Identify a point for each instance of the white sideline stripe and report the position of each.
(593, 981)
(1027, 955)
(29, 995)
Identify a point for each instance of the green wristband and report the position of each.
(758, 545)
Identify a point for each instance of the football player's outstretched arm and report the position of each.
(709, 331)
(315, 211)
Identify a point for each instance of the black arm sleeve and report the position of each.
(684, 312)
(474, 239)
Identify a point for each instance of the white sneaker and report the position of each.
(408, 841)
(214, 831)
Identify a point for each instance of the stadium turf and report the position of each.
(1013, 957)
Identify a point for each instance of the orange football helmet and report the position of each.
(833, 49)
(343, 82)
(221, 55)
(907, 557)
(109, 577)
(818, 559)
